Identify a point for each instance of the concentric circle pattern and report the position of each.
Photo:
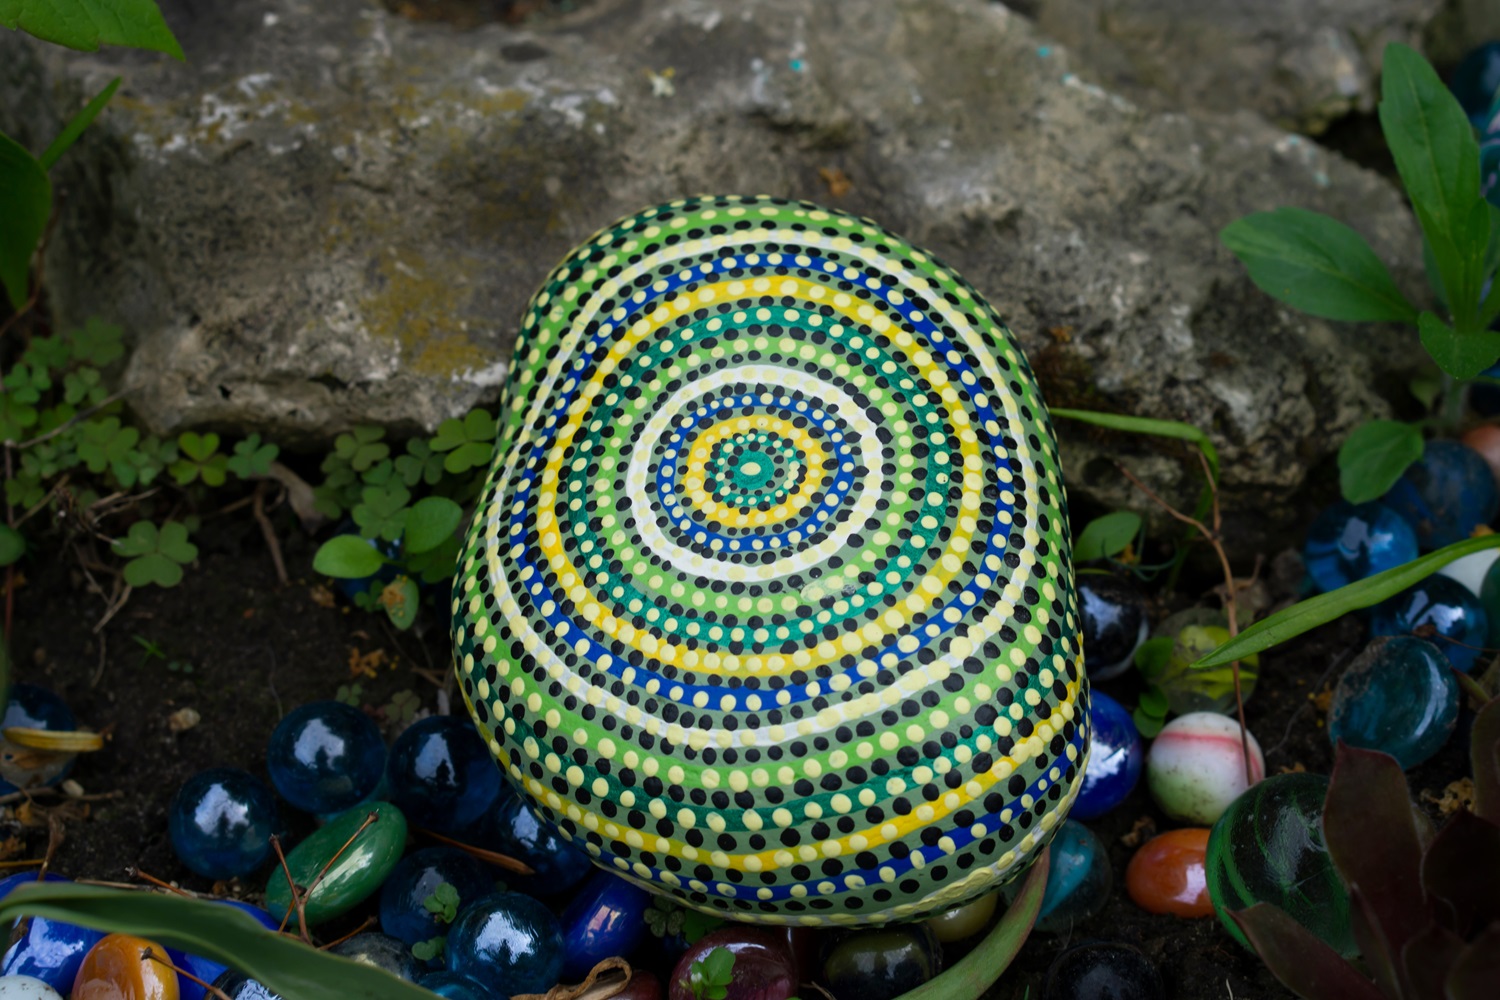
(768, 602)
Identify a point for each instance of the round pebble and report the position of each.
(1196, 766)
(33, 707)
(1442, 610)
(441, 773)
(509, 942)
(116, 969)
(1167, 874)
(325, 756)
(403, 911)
(26, 988)
(1115, 760)
(1114, 623)
(1400, 697)
(1445, 494)
(221, 821)
(357, 874)
(1103, 970)
(1348, 542)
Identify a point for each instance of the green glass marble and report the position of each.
(354, 877)
(1198, 632)
(1268, 848)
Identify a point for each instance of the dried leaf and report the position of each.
(1301, 961)
(1457, 794)
(604, 980)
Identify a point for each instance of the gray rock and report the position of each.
(1301, 63)
(332, 215)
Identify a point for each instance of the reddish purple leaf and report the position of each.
(1383, 961)
(1476, 974)
(1484, 749)
(1427, 958)
(1461, 873)
(1300, 959)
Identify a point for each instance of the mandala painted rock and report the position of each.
(768, 601)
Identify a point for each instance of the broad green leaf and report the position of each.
(1106, 536)
(400, 598)
(429, 521)
(1461, 353)
(1373, 457)
(281, 963)
(1147, 425)
(74, 128)
(1316, 264)
(86, 24)
(12, 545)
(25, 206)
(1309, 614)
(348, 557)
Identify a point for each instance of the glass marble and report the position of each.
(325, 756)
(1489, 161)
(963, 922)
(441, 773)
(1196, 766)
(417, 876)
(221, 822)
(1476, 81)
(1167, 874)
(115, 969)
(606, 918)
(1445, 494)
(238, 986)
(508, 942)
(1445, 608)
(380, 951)
(764, 968)
(1198, 632)
(33, 707)
(1349, 542)
(452, 986)
(1470, 570)
(643, 985)
(1078, 882)
(1114, 618)
(881, 963)
(1268, 848)
(1399, 696)
(26, 988)
(1115, 761)
(514, 828)
(51, 951)
(355, 876)
(1103, 970)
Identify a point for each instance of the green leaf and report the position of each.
(430, 949)
(469, 442)
(1302, 961)
(1153, 655)
(12, 545)
(1318, 265)
(1107, 536)
(382, 511)
(436, 563)
(1425, 389)
(282, 964)
(362, 447)
(429, 522)
(1374, 456)
(159, 553)
(348, 557)
(98, 343)
(86, 24)
(251, 458)
(74, 128)
(25, 205)
(1147, 425)
(719, 963)
(1309, 614)
(1462, 354)
(400, 599)
(1149, 725)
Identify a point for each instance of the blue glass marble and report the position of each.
(221, 822)
(1349, 542)
(453, 986)
(1398, 696)
(325, 756)
(207, 969)
(416, 877)
(508, 942)
(380, 951)
(33, 707)
(606, 918)
(1445, 494)
(514, 828)
(238, 986)
(1078, 882)
(1444, 605)
(1114, 618)
(1115, 760)
(441, 773)
(51, 951)
(1476, 81)
(1103, 970)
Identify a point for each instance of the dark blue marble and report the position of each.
(325, 756)
(1476, 82)
(381, 951)
(1445, 494)
(415, 877)
(453, 986)
(508, 942)
(1398, 696)
(33, 707)
(238, 986)
(606, 918)
(1115, 760)
(51, 951)
(441, 773)
(1114, 618)
(1444, 605)
(1349, 542)
(514, 828)
(1103, 970)
(221, 822)
(1078, 881)
(207, 969)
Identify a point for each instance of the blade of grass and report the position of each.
(1146, 425)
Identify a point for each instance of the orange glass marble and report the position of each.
(1167, 875)
(114, 969)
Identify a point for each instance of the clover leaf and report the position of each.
(251, 458)
(709, 978)
(97, 343)
(361, 447)
(103, 443)
(200, 460)
(420, 464)
(442, 903)
(382, 511)
(469, 442)
(157, 555)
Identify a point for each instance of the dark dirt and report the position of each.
(258, 648)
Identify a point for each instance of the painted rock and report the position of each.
(441, 774)
(1078, 882)
(357, 873)
(1113, 611)
(515, 828)
(325, 756)
(33, 707)
(1399, 696)
(963, 922)
(606, 918)
(118, 968)
(403, 911)
(881, 963)
(221, 821)
(51, 951)
(763, 969)
(1445, 494)
(1115, 760)
(1268, 848)
(1349, 542)
(26, 988)
(1196, 767)
(1103, 970)
(768, 598)
(1442, 609)
(509, 942)
(1167, 874)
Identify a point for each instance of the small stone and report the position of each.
(1114, 623)
(1167, 874)
(1445, 494)
(33, 707)
(1115, 762)
(509, 942)
(880, 963)
(221, 821)
(380, 951)
(116, 969)
(963, 922)
(606, 918)
(1440, 609)
(1400, 697)
(1196, 766)
(403, 913)
(183, 719)
(354, 877)
(325, 756)
(1078, 882)
(1102, 970)
(51, 951)
(1348, 542)
(442, 775)
(71, 788)
(26, 988)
